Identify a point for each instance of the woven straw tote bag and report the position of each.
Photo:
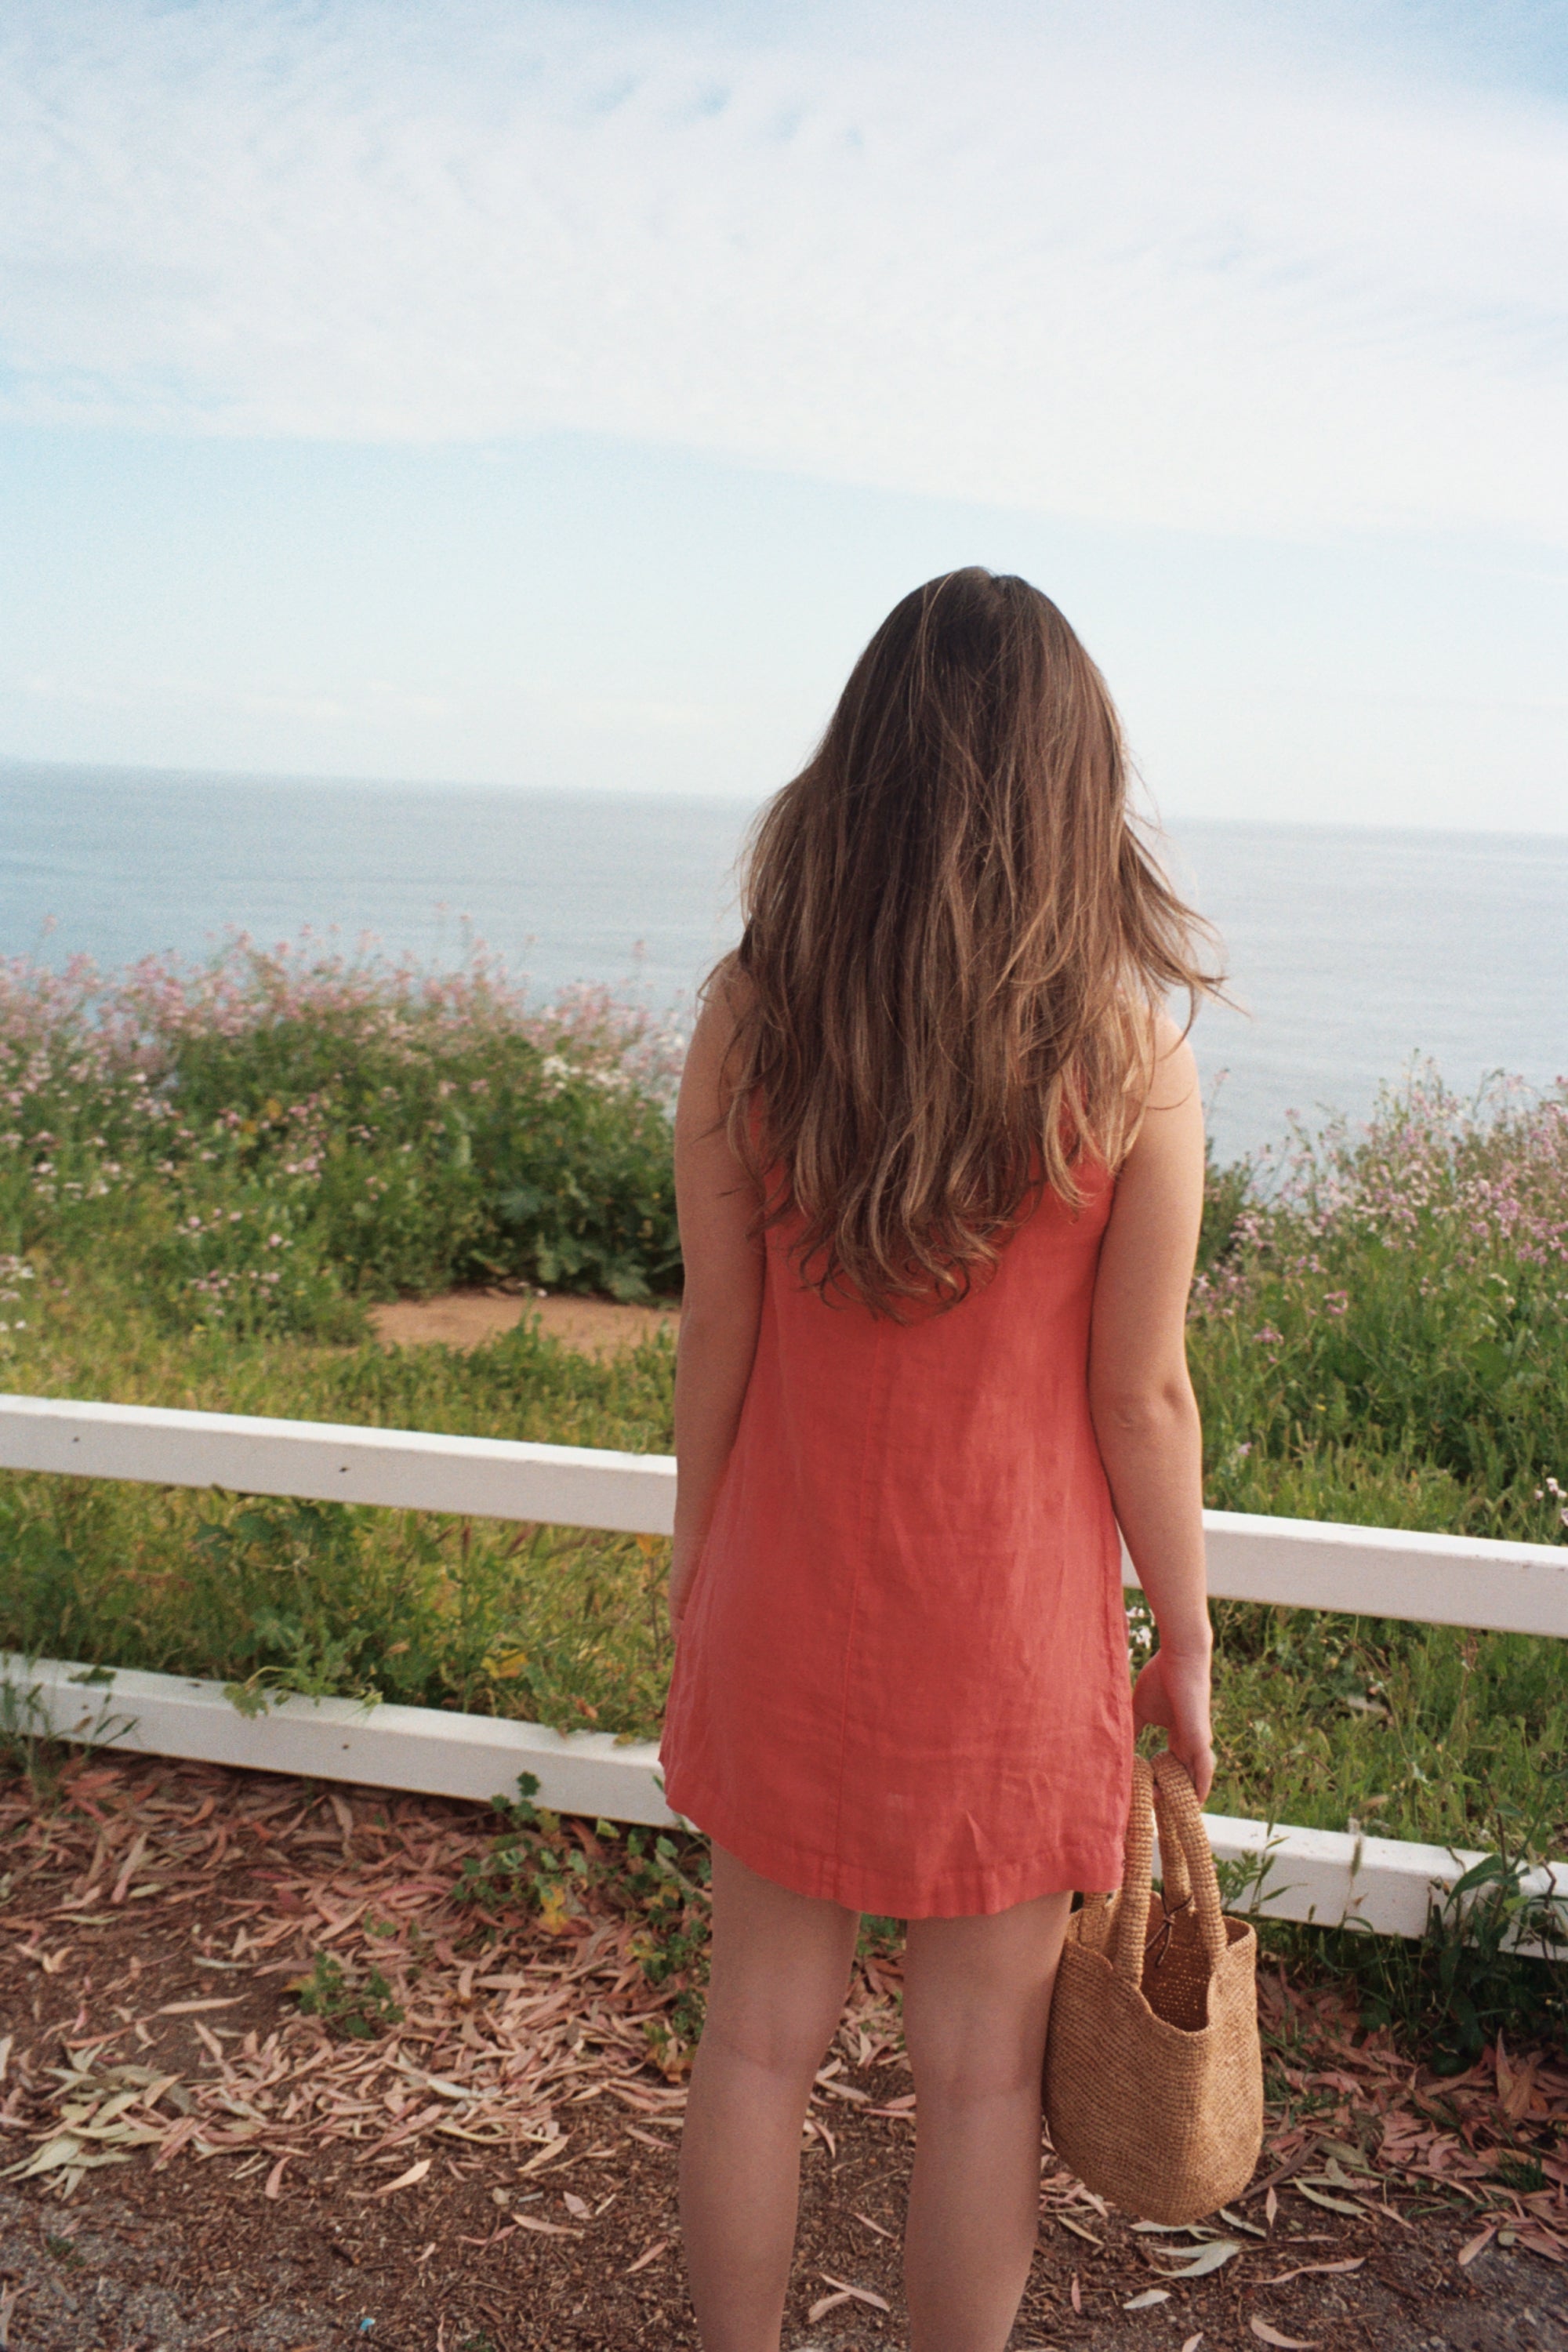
(1153, 2071)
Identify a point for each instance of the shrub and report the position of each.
(279, 1136)
(1377, 1336)
(1388, 1307)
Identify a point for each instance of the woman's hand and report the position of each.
(1173, 1691)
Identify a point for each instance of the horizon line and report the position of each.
(1167, 822)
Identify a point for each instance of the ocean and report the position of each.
(1350, 951)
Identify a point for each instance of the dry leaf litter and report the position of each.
(542, 2035)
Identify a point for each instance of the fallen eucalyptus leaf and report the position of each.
(1205, 2259)
(1337, 2150)
(828, 2302)
(1330, 2204)
(1079, 2231)
(406, 2179)
(859, 2294)
(1301, 2270)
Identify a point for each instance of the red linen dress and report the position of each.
(901, 1680)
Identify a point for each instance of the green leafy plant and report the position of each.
(26, 1748)
(1244, 1882)
(669, 1884)
(287, 1135)
(545, 1865)
(1379, 1318)
(1474, 1980)
(357, 2010)
(1473, 1975)
(527, 1866)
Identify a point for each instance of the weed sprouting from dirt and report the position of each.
(554, 1868)
(1490, 1970)
(358, 2009)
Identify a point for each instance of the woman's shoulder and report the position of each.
(1172, 1069)
(1167, 1120)
(723, 1000)
(710, 1075)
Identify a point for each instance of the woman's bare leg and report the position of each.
(776, 1990)
(977, 1993)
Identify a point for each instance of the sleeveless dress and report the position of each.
(901, 1680)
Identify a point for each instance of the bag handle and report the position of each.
(1187, 1858)
(1186, 1862)
(1130, 1913)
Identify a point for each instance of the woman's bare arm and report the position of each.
(1141, 1396)
(721, 1306)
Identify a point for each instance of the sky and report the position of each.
(481, 391)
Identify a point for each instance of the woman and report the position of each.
(940, 1162)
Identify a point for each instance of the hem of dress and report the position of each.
(951, 1894)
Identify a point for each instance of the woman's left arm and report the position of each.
(722, 1305)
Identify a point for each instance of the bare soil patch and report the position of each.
(494, 2172)
(467, 1318)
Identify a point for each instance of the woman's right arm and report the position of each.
(1141, 1397)
(722, 1303)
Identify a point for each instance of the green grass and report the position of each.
(1378, 1335)
(207, 1178)
(546, 1622)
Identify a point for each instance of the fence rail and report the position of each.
(1319, 1876)
(1436, 1579)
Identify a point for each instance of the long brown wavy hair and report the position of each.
(955, 944)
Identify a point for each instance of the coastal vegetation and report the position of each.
(207, 1176)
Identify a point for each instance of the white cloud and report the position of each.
(1139, 264)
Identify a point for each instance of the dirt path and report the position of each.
(493, 2170)
(467, 1318)
(151, 2260)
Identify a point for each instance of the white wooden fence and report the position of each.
(1330, 1877)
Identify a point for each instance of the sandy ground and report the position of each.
(467, 1318)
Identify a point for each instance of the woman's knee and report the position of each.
(786, 2048)
(953, 2072)
(773, 2014)
(977, 2001)
(780, 1973)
